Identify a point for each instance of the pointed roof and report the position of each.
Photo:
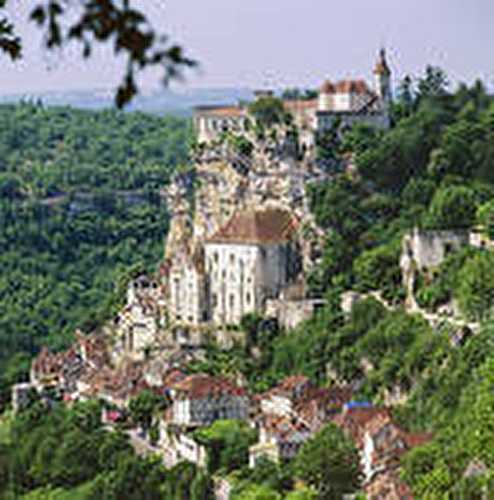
(382, 67)
(328, 88)
(257, 227)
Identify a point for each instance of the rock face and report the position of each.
(241, 234)
(422, 251)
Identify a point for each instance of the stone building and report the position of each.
(349, 101)
(139, 322)
(200, 400)
(211, 121)
(187, 287)
(428, 248)
(249, 260)
(280, 439)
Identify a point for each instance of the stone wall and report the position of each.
(290, 313)
(429, 248)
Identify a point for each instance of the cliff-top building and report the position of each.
(350, 101)
(247, 261)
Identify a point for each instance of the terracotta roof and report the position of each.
(354, 421)
(300, 104)
(220, 111)
(328, 88)
(282, 427)
(352, 86)
(173, 377)
(257, 227)
(201, 386)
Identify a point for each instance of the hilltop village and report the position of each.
(242, 241)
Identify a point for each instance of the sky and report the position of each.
(277, 43)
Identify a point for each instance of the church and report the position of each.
(349, 101)
(249, 260)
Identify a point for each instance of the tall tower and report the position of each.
(382, 75)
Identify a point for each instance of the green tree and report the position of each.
(452, 207)
(433, 84)
(142, 408)
(268, 111)
(476, 286)
(329, 462)
(227, 443)
(485, 217)
(108, 22)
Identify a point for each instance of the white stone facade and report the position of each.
(351, 101)
(192, 412)
(187, 301)
(242, 277)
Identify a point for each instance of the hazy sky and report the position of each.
(252, 43)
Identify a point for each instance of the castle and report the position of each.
(350, 101)
(242, 237)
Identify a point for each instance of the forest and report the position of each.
(80, 211)
(434, 169)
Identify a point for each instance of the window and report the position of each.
(448, 248)
(215, 257)
(232, 259)
(215, 300)
(248, 299)
(232, 301)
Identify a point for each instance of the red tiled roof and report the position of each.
(257, 227)
(354, 421)
(173, 377)
(299, 104)
(200, 386)
(220, 111)
(352, 86)
(282, 427)
(293, 381)
(328, 88)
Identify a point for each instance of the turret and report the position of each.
(326, 96)
(382, 75)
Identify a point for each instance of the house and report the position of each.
(320, 406)
(348, 101)
(280, 438)
(381, 443)
(281, 399)
(187, 286)
(354, 417)
(138, 323)
(200, 400)
(179, 446)
(248, 260)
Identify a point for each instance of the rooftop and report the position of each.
(269, 226)
(201, 386)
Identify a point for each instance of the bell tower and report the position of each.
(382, 75)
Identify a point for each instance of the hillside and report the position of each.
(403, 261)
(80, 209)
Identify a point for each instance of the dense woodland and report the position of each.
(433, 169)
(80, 211)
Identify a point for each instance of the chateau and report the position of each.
(350, 101)
(242, 237)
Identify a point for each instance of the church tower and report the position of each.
(382, 75)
